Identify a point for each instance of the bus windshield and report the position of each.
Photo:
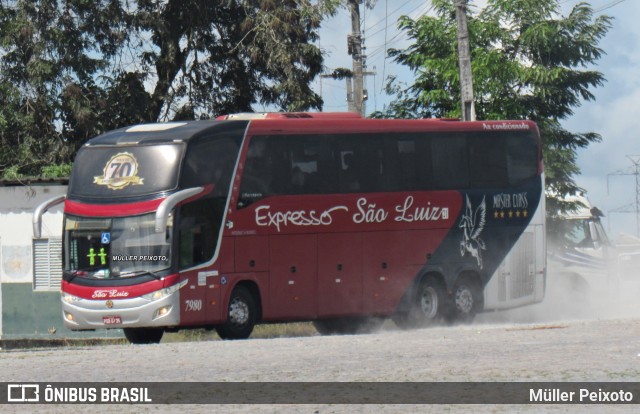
(116, 247)
(125, 171)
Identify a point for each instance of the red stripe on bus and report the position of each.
(125, 209)
(117, 292)
(111, 210)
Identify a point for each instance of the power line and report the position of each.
(386, 14)
(387, 25)
(634, 170)
(608, 6)
(400, 35)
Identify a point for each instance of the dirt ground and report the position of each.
(577, 350)
(552, 341)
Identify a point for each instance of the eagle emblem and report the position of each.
(472, 224)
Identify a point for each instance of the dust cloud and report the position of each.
(592, 294)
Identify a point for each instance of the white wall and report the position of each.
(17, 204)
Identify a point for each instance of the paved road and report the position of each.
(569, 350)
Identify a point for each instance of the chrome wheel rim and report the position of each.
(238, 312)
(429, 302)
(464, 299)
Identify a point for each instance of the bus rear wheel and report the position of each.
(348, 326)
(467, 299)
(427, 307)
(241, 315)
(143, 335)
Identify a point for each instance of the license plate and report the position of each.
(111, 320)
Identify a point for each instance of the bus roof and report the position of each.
(290, 115)
(164, 132)
(279, 126)
(294, 123)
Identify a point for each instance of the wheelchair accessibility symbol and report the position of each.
(106, 238)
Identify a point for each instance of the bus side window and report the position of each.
(298, 180)
(413, 163)
(522, 158)
(198, 231)
(360, 164)
(487, 161)
(450, 162)
(348, 180)
(256, 176)
(406, 165)
(210, 160)
(424, 167)
(312, 166)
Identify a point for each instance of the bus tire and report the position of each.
(241, 315)
(348, 326)
(427, 307)
(326, 326)
(467, 299)
(143, 335)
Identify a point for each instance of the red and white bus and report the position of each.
(327, 218)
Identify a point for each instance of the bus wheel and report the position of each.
(427, 307)
(241, 316)
(467, 299)
(325, 326)
(347, 326)
(143, 335)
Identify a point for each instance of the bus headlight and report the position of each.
(163, 311)
(163, 293)
(69, 298)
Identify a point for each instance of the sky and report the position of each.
(612, 114)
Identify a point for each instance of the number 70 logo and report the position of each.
(120, 171)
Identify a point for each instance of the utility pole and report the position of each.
(632, 207)
(356, 93)
(464, 62)
(351, 104)
(354, 48)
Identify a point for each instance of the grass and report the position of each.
(263, 331)
(276, 330)
(284, 330)
(7, 344)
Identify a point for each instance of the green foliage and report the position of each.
(71, 70)
(528, 62)
(56, 171)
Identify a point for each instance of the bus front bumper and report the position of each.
(88, 314)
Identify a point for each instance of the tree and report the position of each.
(74, 69)
(528, 62)
(43, 47)
(225, 56)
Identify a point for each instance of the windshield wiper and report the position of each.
(140, 272)
(75, 273)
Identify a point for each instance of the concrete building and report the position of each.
(31, 269)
